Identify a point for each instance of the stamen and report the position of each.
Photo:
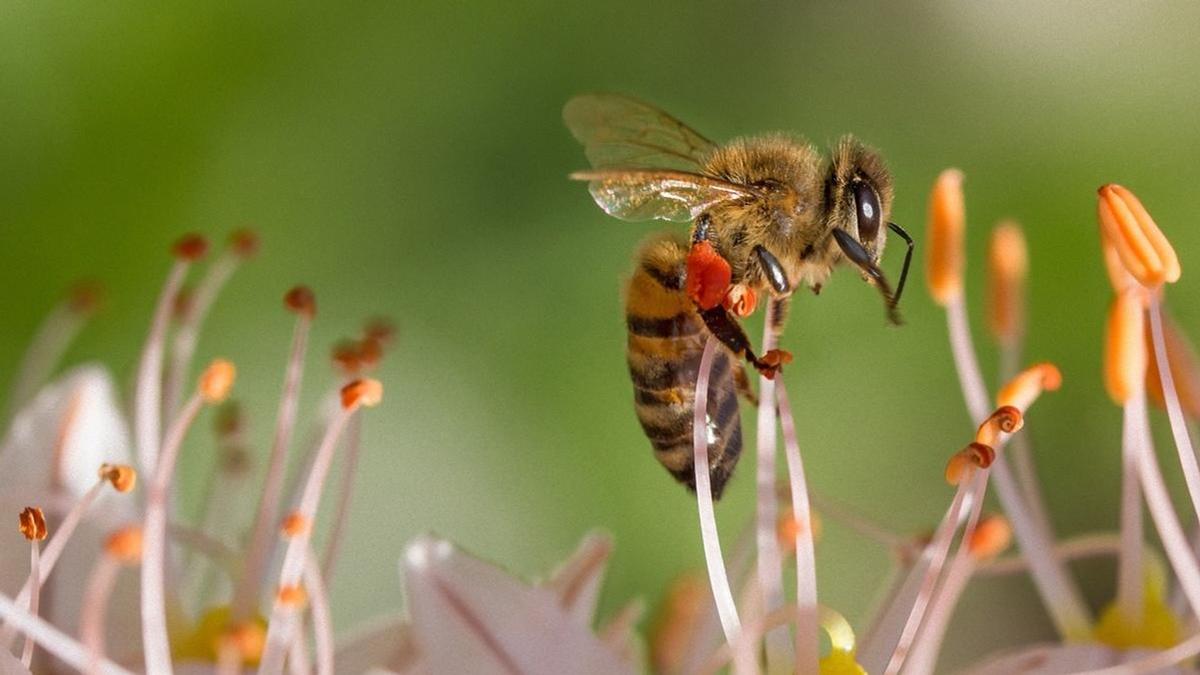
(947, 223)
(1085, 546)
(32, 523)
(351, 451)
(1140, 245)
(671, 637)
(147, 393)
(296, 524)
(1008, 264)
(358, 393)
(1125, 346)
(55, 334)
(214, 386)
(122, 476)
(123, 547)
(53, 640)
(33, 527)
(807, 647)
(768, 561)
(1118, 276)
(963, 463)
(1005, 420)
(322, 621)
(1028, 385)
(301, 301)
(1185, 369)
(992, 536)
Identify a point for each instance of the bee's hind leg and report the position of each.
(726, 329)
(742, 383)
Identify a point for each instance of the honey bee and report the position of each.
(768, 214)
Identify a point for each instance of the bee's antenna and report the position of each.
(858, 255)
(907, 259)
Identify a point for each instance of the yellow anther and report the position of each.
(1139, 244)
(1008, 265)
(217, 380)
(365, 392)
(947, 225)
(122, 476)
(671, 634)
(32, 523)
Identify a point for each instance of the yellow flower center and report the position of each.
(215, 629)
(1158, 628)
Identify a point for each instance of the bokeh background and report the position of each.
(408, 159)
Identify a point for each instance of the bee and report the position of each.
(768, 215)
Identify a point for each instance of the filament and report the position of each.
(147, 396)
(769, 562)
(1129, 563)
(1179, 430)
(95, 603)
(35, 576)
(53, 640)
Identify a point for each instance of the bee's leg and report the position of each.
(742, 384)
(730, 333)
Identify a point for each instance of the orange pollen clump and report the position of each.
(295, 524)
(366, 392)
(1005, 419)
(217, 380)
(741, 300)
(244, 243)
(992, 535)
(302, 301)
(947, 225)
(32, 523)
(249, 639)
(292, 596)
(1125, 352)
(974, 456)
(122, 476)
(1023, 390)
(1008, 264)
(190, 247)
(1140, 245)
(125, 545)
(708, 275)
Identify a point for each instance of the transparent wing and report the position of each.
(618, 132)
(681, 196)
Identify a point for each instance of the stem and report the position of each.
(770, 563)
(53, 640)
(147, 395)
(322, 622)
(1129, 563)
(933, 634)
(337, 532)
(807, 621)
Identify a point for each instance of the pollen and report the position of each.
(125, 545)
(122, 476)
(217, 380)
(295, 524)
(1140, 245)
(32, 523)
(991, 537)
(947, 226)
(1125, 354)
(708, 275)
(302, 301)
(963, 462)
(1008, 265)
(244, 243)
(292, 596)
(190, 247)
(365, 392)
(1005, 419)
(1024, 389)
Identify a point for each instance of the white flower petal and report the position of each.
(1058, 659)
(471, 617)
(577, 581)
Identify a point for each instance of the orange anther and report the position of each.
(122, 476)
(244, 243)
(217, 380)
(1008, 264)
(1023, 390)
(190, 247)
(301, 300)
(947, 225)
(292, 596)
(1125, 346)
(249, 639)
(708, 275)
(1005, 419)
(1139, 244)
(963, 462)
(125, 545)
(347, 356)
(295, 524)
(366, 392)
(789, 527)
(32, 523)
(992, 535)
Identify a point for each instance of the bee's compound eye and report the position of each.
(867, 205)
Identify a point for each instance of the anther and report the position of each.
(1023, 390)
(32, 523)
(1125, 355)
(295, 524)
(370, 352)
(229, 420)
(963, 462)
(381, 330)
(125, 545)
(991, 537)
(249, 638)
(347, 357)
(244, 243)
(365, 392)
(190, 247)
(1140, 245)
(1005, 419)
(293, 597)
(944, 262)
(1008, 265)
(122, 476)
(301, 300)
(1118, 276)
(217, 380)
(788, 527)
(86, 297)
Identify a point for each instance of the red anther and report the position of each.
(708, 275)
(380, 330)
(86, 297)
(741, 300)
(301, 301)
(244, 243)
(181, 306)
(370, 352)
(347, 356)
(190, 247)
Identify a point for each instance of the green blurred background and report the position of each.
(409, 159)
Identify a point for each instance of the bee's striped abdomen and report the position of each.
(666, 340)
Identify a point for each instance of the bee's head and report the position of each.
(858, 203)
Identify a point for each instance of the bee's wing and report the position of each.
(645, 194)
(622, 132)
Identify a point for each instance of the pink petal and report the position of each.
(1055, 659)
(577, 581)
(471, 617)
(384, 645)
